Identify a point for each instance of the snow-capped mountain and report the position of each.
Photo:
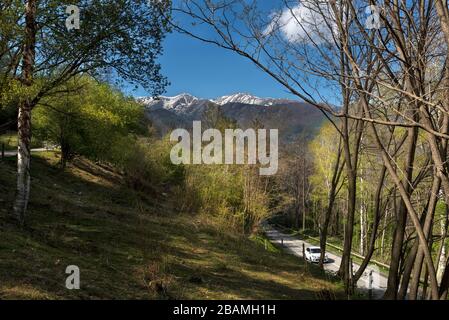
(177, 103)
(289, 116)
(182, 101)
(245, 98)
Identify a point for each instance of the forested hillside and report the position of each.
(292, 118)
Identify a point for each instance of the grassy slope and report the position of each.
(132, 246)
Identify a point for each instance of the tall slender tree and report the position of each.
(116, 40)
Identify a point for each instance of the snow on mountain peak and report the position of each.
(179, 101)
(243, 98)
(186, 103)
(176, 103)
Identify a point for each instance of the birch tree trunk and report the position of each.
(442, 257)
(23, 162)
(375, 226)
(362, 218)
(441, 265)
(24, 117)
(304, 193)
(384, 228)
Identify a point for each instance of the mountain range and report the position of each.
(291, 117)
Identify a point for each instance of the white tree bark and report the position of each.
(23, 172)
(442, 262)
(362, 218)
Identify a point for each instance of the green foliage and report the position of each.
(9, 95)
(96, 121)
(91, 119)
(119, 37)
(9, 139)
(324, 149)
(147, 164)
(235, 193)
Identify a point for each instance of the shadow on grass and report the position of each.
(82, 219)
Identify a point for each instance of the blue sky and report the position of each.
(207, 71)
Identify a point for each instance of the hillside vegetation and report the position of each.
(133, 245)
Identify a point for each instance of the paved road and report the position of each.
(294, 246)
(13, 153)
